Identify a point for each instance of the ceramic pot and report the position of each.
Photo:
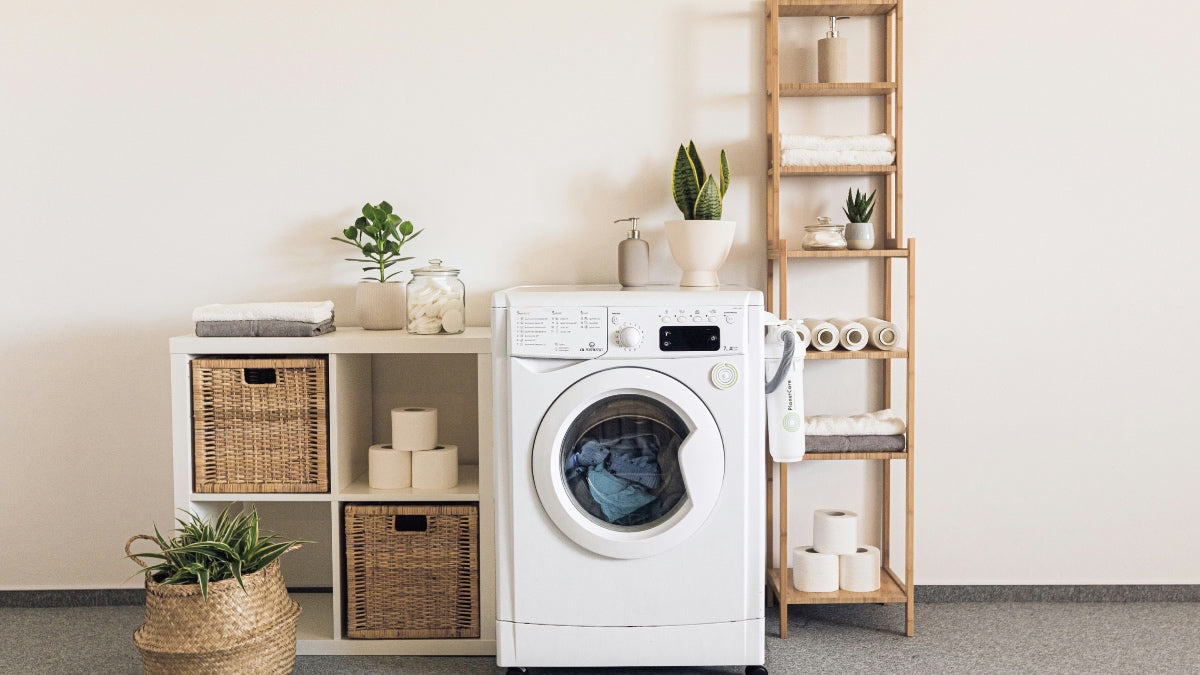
(860, 236)
(380, 305)
(700, 247)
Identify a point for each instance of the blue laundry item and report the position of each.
(639, 468)
(617, 497)
(590, 453)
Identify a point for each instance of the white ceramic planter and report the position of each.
(860, 236)
(700, 247)
(380, 305)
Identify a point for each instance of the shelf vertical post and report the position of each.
(784, 579)
(910, 422)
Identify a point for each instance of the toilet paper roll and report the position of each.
(835, 531)
(388, 468)
(882, 334)
(414, 428)
(803, 334)
(824, 335)
(435, 469)
(860, 570)
(852, 335)
(814, 572)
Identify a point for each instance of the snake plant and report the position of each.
(859, 206)
(204, 552)
(697, 194)
(379, 234)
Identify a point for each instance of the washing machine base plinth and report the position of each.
(733, 643)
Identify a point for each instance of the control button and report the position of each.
(629, 337)
(724, 375)
(616, 319)
(697, 318)
(710, 318)
(728, 318)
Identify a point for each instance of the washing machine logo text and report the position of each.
(591, 348)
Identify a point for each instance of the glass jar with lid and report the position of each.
(824, 236)
(436, 300)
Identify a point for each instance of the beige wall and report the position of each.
(160, 156)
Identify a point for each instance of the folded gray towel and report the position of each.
(854, 443)
(262, 328)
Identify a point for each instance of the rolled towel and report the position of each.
(838, 158)
(879, 423)
(824, 335)
(305, 312)
(264, 328)
(852, 335)
(870, 142)
(883, 334)
(856, 443)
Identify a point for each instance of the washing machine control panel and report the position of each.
(626, 332)
(558, 332)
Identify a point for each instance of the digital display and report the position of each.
(689, 338)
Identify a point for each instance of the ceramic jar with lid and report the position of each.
(436, 300)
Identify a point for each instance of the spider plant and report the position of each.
(205, 551)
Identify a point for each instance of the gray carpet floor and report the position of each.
(974, 637)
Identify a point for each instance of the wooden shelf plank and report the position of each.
(836, 88)
(890, 590)
(868, 353)
(467, 490)
(842, 8)
(855, 455)
(871, 253)
(848, 170)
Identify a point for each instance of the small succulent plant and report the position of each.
(859, 206)
(696, 193)
(379, 234)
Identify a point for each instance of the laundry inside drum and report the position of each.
(620, 461)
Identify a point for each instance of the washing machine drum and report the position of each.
(628, 462)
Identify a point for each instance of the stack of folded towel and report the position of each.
(881, 431)
(871, 150)
(264, 319)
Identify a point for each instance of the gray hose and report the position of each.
(789, 350)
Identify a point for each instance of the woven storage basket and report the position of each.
(412, 571)
(260, 425)
(235, 631)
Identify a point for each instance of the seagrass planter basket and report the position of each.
(412, 570)
(260, 425)
(236, 632)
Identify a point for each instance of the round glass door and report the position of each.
(620, 461)
(628, 462)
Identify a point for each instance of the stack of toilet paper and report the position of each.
(829, 334)
(414, 458)
(836, 559)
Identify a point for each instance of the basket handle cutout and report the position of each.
(258, 375)
(411, 523)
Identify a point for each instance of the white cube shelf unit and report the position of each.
(369, 373)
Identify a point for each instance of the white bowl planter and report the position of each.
(380, 305)
(700, 247)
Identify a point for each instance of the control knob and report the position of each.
(629, 337)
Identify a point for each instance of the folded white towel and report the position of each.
(873, 142)
(879, 423)
(307, 312)
(838, 158)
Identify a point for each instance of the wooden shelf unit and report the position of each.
(369, 372)
(895, 249)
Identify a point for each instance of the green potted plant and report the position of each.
(379, 235)
(860, 233)
(701, 241)
(216, 600)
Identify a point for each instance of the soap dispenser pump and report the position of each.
(831, 54)
(633, 256)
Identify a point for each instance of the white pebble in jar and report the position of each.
(435, 300)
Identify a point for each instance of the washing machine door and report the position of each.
(628, 462)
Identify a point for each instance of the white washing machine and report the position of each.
(629, 476)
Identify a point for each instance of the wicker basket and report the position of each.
(260, 425)
(412, 571)
(235, 631)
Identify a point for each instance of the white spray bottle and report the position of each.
(784, 357)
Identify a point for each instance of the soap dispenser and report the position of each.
(633, 257)
(831, 54)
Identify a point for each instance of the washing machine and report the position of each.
(629, 476)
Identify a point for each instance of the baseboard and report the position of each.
(1060, 593)
(96, 597)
